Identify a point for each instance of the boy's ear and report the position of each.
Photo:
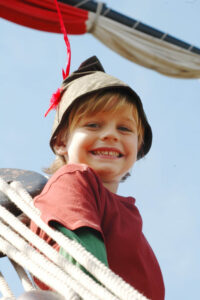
(60, 149)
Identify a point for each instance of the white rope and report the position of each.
(106, 11)
(108, 278)
(18, 226)
(81, 3)
(94, 21)
(4, 288)
(53, 255)
(26, 282)
(77, 251)
(43, 263)
(38, 271)
(136, 24)
(164, 36)
(112, 281)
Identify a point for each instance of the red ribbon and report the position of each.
(56, 97)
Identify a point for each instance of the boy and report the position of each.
(100, 130)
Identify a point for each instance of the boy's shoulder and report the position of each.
(78, 178)
(71, 168)
(76, 175)
(74, 172)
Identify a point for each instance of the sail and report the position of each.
(131, 39)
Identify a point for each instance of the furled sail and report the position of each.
(133, 40)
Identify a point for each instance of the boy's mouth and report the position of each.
(107, 153)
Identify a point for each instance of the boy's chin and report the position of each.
(108, 175)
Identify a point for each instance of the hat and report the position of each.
(89, 78)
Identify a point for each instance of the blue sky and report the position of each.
(166, 182)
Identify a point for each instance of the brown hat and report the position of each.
(89, 78)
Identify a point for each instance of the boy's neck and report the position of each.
(111, 186)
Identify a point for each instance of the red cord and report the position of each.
(64, 73)
(56, 97)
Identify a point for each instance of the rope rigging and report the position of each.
(18, 242)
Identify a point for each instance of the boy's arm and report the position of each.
(89, 238)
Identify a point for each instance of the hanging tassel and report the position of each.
(56, 97)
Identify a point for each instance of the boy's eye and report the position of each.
(124, 128)
(92, 125)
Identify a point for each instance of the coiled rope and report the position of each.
(48, 265)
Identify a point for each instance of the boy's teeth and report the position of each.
(111, 153)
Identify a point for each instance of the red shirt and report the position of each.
(75, 197)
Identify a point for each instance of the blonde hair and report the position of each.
(111, 100)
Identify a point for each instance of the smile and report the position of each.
(107, 153)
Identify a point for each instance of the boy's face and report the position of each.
(107, 142)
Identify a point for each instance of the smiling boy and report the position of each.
(100, 130)
(107, 141)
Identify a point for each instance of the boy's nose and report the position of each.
(109, 135)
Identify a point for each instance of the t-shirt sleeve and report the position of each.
(90, 239)
(72, 198)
